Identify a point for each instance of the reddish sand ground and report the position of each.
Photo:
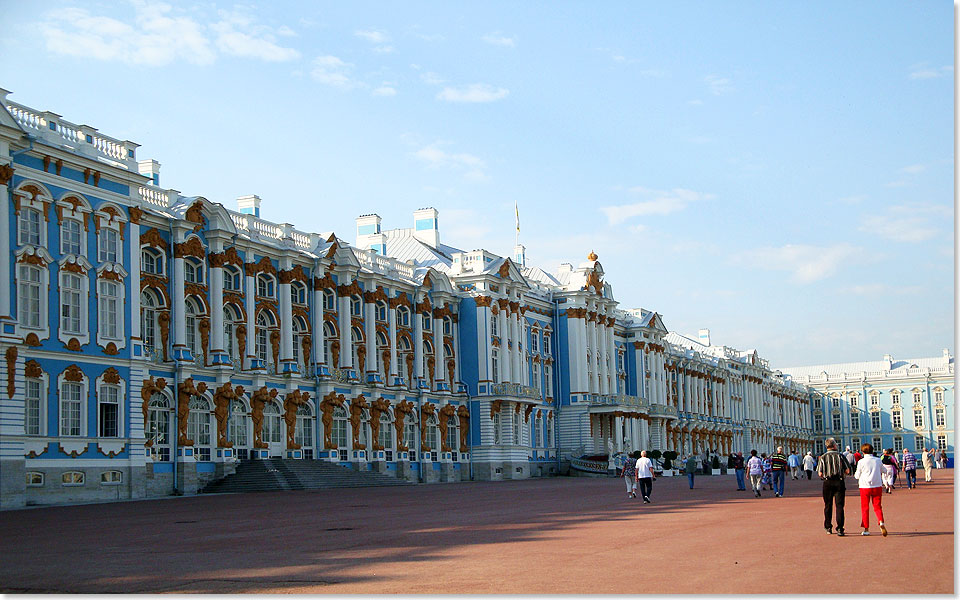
(562, 535)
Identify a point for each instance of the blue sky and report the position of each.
(779, 173)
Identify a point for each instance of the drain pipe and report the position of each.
(556, 381)
(316, 374)
(176, 404)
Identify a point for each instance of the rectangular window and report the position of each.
(875, 420)
(109, 402)
(942, 442)
(918, 418)
(109, 242)
(32, 399)
(897, 419)
(895, 397)
(916, 397)
(111, 477)
(877, 444)
(34, 479)
(496, 428)
(534, 342)
(836, 422)
(72, 478)
(109, 301)
(818, 422)
(918, 443)
(875, 400)
(855, 421)
(897, 444)
(854, 400)
(29, 300)
(516, 429)
(30, 227)
(70, 409)
(70, 303)
(495, 366)
(494, 325)
(546, 344)
(941, 417)
(550, 431)
(855, 444)
(70, 237)
(938, 396)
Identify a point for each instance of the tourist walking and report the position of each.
(889, 469)
(832, 467)
(927, 459)
(850, 456)
(910, 468)
(869, 476)
(794, 461)
(767, 472)
(690, 468)
(938, 458)
(738, 467)
(755, 470)
(645, 476)
(778, 468)
(809, 464)
(629, 475)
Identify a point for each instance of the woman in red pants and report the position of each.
(869, 475)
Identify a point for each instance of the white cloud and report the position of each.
(157, 36)
(476, 92)
(472, 167)
(496, 39)
(695, 102)
(922, 71)
(431, 78)
(852, 199)
(657, 202)
(805, 263)
(910, 223)
(385, 89)
(383, 49)
(372, 35)
(718, 85)
(330, 70)
(913, 169)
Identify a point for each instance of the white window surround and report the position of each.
(44, 384)
(121, 386)
(73, 238)
(298, 293)
(35, 479)
(111, 477)
(84, 384)
(22, 256)
(233, 279)
(109, 222)
(84, 334)
(109, 245)
(82, 214)
(266, 286)
(72, 478)
(193, 271)
(31, 292)
(120, 341)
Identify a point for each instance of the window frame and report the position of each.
(77, 248)
(105, 238)
(74, 480)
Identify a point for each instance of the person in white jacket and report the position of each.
(809, 464)
(869, 476)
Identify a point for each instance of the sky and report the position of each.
(781, 174)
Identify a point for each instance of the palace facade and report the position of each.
(888, 403)
(151, 340)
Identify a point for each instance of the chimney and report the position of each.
(369, 235)
(249, 205)
(150, 168)
(426, 226)
(520, 255)
(704, 335)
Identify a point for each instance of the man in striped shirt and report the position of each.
(832, 467)
(910, 468)
(778, 465)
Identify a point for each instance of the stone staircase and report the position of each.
(283, 474)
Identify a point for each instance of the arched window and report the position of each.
(298, 293)
(265, 323)
(111, 477)
(151, 261)
(149, 305)
(198, 426)
(495, 364)
(271, 424)
(339, 434)
(299, 330)
(266, 286)
(403, 316)
(232, 279)
(192, 271)
(329, 300)
(496, 428)
(516, 429)
(108, 410)
(453, 435)
(447, 351)
(304, 433)
(538, 430)
(71, 241)
(385, 436)
(356, 306)
(433, 435)
(447, 326)
(410, 434)
(239, 429)
(329, 336)
(29, 229)
(158, 427)
(427, 347)
(192, 319)
(29, 288)
(231, 318)
(426, 321)
(494, 325)
(381, 311)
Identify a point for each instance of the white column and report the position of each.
(249, 301)
(418, 345)
(618, 433)
(179, 298)
(392, 324)
(601, 346)
(370, 333)
(515, 331)
(317, 342)
(286, 324)
(506, 360)
(457, 376)
(439, 361)
(216, 307)
(484, 347)
(5, 255)
(346, 336)
(134, 292)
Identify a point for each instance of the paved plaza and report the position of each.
(562, 535)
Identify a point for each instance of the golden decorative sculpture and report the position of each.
(275, 346)
(526, 413)
(241, 332)
(446, 413)
(32, 369)
(6, 174)
(291, 404)
(330, 402)
(356, 419)
(185, 391)
(305, 348)
(204, 328)
(408, 359)
(379, 406)
(163, 319)
(431, 372)
(194, 214)
(32, 339)
(111, 375)
(451, 370)
(463, 415)
(361, 359)
(335, 353)
(426, 410)
(192, 247)
(495, 407)
(385, 357)
(11, 356)
(221, 410)
(258, 401)
(400, 412)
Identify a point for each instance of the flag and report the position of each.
(517, 209)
